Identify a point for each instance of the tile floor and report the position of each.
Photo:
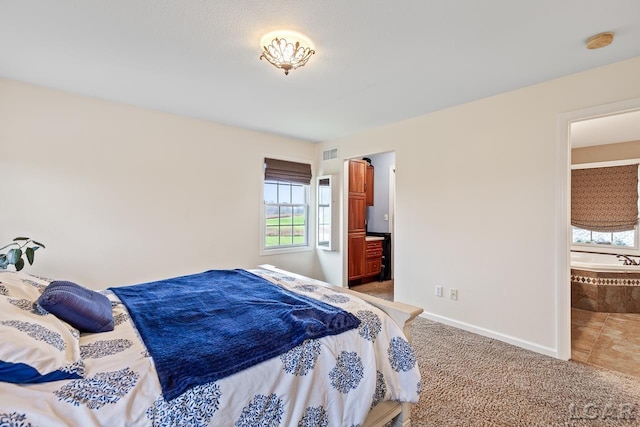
(607, 340)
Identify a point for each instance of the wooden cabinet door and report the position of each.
(373, 267)
(357, 214)
(357, 245)
(374, 258)
(357, 176)
(368, 185)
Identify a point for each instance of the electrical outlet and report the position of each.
(453, 294)
(439, 291)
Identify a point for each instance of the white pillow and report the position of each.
(35, 346)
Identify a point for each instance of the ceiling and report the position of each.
(377, 61)
(623, 127)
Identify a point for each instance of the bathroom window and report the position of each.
(623, 239)
(604, 205)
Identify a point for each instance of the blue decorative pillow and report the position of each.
(35, 346)
(82, 308)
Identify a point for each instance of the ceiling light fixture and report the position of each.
(286, 49)
(600, 40)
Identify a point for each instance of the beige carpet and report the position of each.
(471, 380)
(382, 290)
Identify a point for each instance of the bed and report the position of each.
(364, 374)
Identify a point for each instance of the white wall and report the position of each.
(121, 195)
(375, 214)
(477, 203)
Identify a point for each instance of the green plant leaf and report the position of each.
(20, 238)
(19, 264)
(29, 252)
(14, 255)
(38, 243)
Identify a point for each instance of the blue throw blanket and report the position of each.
(203, 327)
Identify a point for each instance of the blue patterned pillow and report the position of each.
(82, 308)
(35, 346)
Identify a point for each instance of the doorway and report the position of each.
(378, 231)
(604, 317)
(563, 284)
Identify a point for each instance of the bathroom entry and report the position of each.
(604, 337)
(370, 218)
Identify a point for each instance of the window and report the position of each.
(324, 212)
(285, 207)
(604, 206)
(286, 199)
(327, 212)
(622, 239)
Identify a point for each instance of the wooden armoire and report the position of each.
(360, 196)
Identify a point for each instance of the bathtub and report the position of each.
(601, 262)
(602, 283)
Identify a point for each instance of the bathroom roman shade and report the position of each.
(605, 199)
(282, 170)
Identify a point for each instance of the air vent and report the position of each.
(329, 154)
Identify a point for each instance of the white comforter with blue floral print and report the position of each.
(332, 381)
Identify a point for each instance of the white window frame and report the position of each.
(600, 245)
(308, 246)
(332, 243)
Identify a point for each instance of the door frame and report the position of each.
(392, 216)
(563, 214)
(345, 211)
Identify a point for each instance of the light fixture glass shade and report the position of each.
(286, 49)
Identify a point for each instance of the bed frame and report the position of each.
(403, 314)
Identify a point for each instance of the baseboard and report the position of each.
(492, 334)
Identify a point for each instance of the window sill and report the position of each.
(278, 251)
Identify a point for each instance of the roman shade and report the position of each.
(282, 170)
(605, 199)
